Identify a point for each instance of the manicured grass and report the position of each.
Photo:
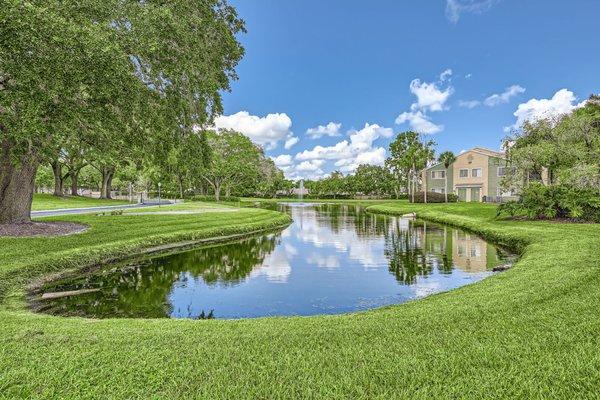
(50, 202)
(530, 332)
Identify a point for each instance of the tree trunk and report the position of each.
(111, 174)
(425, 189)
(16, 187)
(58, 178)
(104, 184)
(180, 181)
(74, 177)
(446, 185)
(217, 192)
(107, 176)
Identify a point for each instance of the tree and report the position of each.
(116, 74)
(234, 160)
(567, 147)
(408, 155)
(372, 180)
(446, 158)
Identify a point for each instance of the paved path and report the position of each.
(87, 210)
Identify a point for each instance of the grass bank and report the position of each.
(50, 202)
(530, 332)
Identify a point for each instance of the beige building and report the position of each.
(474, 176)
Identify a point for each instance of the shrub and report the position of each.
(434, 197)
(556, 201)
(210, 198)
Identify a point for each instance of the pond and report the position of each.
(332, 259)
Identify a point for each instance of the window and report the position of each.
(438, 174)
(476, 173)
(463, 173)
(502, 171)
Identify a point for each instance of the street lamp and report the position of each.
(159, 184)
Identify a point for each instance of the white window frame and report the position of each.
(498, 171)
(438, 174)
(479, 175)
(461, 170)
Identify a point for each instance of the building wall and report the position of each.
(435, 185)
(470, 160)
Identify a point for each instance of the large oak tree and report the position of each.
(113, 74)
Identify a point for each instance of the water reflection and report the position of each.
(332, 259)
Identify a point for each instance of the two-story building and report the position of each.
(474, 176)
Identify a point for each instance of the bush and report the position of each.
(210, 198)
(434, 197)
(557, 201)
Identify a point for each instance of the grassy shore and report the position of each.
(50, 202)
(530, 332)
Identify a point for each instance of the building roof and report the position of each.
(480, 150)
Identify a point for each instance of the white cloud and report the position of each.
(429, 96)
(331, 129)
(346, 154)
(361, 140)
(290, 141)
(311, 165)
(419, 122)
(282, 160)
(563, 102)
(468, 76)
(504, 97)
(469, 103)
(446, 75)
(266, 131)
(456, 7)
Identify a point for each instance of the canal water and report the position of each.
(332, 259)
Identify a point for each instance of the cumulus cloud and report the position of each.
(454, 8)
(331, 129)
(311, 165)
(504, 97)
(266, 131)
(469, 103)
(563, 102)
(360, 140)
(290, 141)
(282, 160)
(430, 98)
(346, 155)
(446, 75)
(419, 122)
(429, 95)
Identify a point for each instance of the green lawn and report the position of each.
(530, 332)
(51, 202)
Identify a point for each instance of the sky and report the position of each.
(326, 85)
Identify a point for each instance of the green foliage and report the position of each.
(108, 81)
(434, 197)
(557, 201)
(408, 155)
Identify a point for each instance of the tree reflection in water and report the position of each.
(142, 289)
(332, 259)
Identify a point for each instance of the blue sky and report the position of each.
(342, 64)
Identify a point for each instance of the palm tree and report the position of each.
(447, 158)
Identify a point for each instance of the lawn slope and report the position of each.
(51, 202)
(530, 332)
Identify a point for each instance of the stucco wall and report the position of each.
(437, 183)
(470, 160)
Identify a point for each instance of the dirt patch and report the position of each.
(47, 229)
